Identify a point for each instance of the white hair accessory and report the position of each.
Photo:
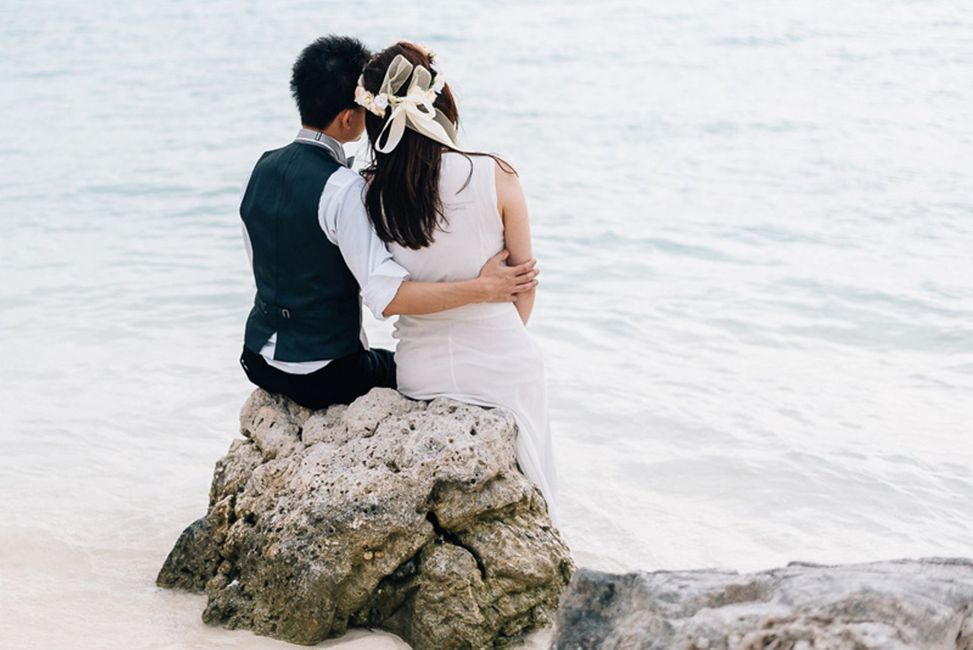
(414, 109)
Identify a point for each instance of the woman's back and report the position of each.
(479, 353)
(473, 231)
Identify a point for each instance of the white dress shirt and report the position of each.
(342, 216)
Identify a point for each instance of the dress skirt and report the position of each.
(482, 354)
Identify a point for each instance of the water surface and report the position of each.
(756, 306)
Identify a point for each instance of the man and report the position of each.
(315, 255)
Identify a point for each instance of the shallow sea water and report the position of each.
(755, 228)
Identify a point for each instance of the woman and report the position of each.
(443, 212)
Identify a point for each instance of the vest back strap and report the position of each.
(276, 311)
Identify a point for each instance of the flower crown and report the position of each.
(414, 109)
(376, 104)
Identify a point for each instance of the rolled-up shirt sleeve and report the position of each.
(344, 220)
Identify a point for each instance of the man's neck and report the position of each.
(330, 132)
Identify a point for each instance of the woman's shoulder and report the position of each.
(490, 159)
(487, 165)
(505, 174)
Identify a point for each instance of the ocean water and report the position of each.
(755, 225)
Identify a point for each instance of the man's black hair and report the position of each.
(324, 77)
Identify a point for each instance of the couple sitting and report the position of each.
(429, 231)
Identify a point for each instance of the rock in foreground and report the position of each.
(408, 516)
(897, 605)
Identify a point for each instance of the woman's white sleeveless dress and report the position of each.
(481, 354)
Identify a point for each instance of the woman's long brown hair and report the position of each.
(402, 199)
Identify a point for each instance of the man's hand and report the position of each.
(502, 283)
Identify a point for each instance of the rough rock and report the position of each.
(924, 604)
(404, 515)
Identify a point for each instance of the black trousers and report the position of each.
(339, 382)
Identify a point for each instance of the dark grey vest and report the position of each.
(305, 292)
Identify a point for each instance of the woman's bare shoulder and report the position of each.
(507, 178)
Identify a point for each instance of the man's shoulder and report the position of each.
(271, 158)
(343, 195)
(344, 177)
(276, 151)
(344, 182)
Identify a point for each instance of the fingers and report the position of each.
(526, 277)
(523, 268)
(527, 286)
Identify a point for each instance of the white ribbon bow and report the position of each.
(414, 109)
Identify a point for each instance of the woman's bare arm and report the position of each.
(516, 231)
(497, 282)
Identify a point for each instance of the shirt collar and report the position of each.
(322, 139)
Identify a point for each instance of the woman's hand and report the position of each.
(502, 283)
